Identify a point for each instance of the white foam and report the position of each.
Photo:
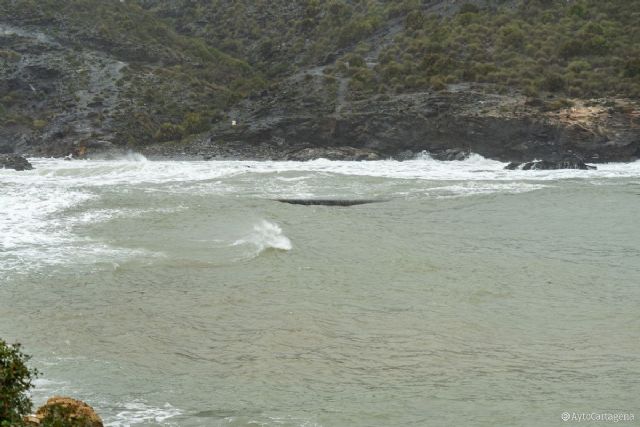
(132, 156)
(32, 233)
(39, 208)
(266, 235)
(266, 420)
(36, 230)
(25, 211)
(104, 215)
(118, 415)
(480, 188)
(141, 171)
(45, 385)
(475, 168)
(138, 412)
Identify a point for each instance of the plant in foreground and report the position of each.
(16, 379)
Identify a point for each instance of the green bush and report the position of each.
(438, 83)
(15, 382)
(512, 36)
(469, 8)
(553, 82)
(195, 123)
(585, 48)
(632, 67)
(579, 66)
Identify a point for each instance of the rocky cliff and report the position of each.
(357, 80)
(459, 119)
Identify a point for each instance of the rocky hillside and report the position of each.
(83, 75)
(510, 79)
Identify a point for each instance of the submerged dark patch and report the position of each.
(327, 202)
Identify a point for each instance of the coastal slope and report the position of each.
(362, 80)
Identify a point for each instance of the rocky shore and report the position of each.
(448, 124)
(62, 100)
(15, 162)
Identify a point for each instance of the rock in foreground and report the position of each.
(13, 161)
(66, 411)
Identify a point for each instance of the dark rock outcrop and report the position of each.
(14, 161)
(449, 125)
(328, 202)
(6, 148)
(569, 162)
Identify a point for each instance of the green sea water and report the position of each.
(182, 294)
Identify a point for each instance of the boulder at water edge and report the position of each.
(66, 411)
(569, 162)
(13, 161)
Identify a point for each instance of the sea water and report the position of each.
(169, 293)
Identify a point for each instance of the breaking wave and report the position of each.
(132, 156)
(40, 209)
(266, 235)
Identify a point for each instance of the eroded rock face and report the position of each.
(447, 124)
(65, 409)
(14, 161)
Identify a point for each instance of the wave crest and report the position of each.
(132, 156)
(266, 235)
